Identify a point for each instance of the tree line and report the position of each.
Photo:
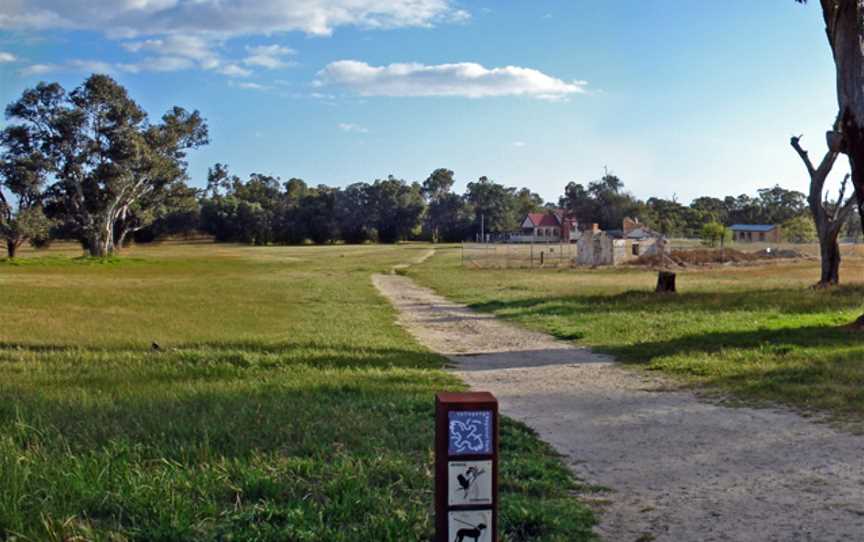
(90, 165)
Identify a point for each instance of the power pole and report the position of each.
(482, 228)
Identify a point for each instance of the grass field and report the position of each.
(753, 333)
(285, 404)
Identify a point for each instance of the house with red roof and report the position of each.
(547, 227)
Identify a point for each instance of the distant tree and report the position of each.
(800, 229)
(23, 174)
(109, 162)
(578, 203)
(396, 208)
(714, 233)
(178, 214)
(219, 218)
(436, 189)
(494, 206)
(671, 218)
(528, 202)
(352, 208)
(289, 221)
(317, 212)
(779, 204)
(712, 209)
(852, 228)
(454, 216)
(612, 204)
(438, 184)
(219, 180)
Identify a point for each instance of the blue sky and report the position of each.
(677, 98)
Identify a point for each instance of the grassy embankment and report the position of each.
(285, 404)
(757, 333)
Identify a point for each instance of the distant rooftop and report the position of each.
(753, 227)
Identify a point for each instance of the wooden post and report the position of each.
(466, 467)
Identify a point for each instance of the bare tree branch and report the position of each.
(795, 141)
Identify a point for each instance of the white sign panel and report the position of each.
(469, 482)
(470, 526)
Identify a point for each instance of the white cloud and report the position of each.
(185, 46)
(159, 64)
(460, 79)
(77, 65)
(39, 69)
(91, 66)
(349, 127)
(233, 70)
(249, 86)
(268, 56)
(175, 35)
(6, 57)
(519, 144)
(177, 52)
(225, 17)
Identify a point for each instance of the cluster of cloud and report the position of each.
(355, 128)
(131, 18)
(176, 35)
(461, 79)
(187, 34)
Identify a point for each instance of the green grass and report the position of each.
(754, 333)
(285, 404)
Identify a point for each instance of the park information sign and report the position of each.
(466, 467)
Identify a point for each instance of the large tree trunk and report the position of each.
(845, 29)
(830, 252)
(11, 248)
(98, 246)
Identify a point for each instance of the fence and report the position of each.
(518, 255)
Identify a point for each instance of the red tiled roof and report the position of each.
(543, 219)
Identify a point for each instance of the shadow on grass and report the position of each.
(811, 368)
(774, 342)
(783, 300)
(237, 353)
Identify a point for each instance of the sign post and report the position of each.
(466, 467)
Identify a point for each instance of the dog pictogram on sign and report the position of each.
(470, 526)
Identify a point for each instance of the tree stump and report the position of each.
(665, 282)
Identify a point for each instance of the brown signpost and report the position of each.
(466, 467)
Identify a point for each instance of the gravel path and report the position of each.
(680, 469)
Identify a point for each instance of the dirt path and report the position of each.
(681, 469)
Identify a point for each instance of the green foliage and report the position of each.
(112, 166)
(800, 229)
(279, 407)
(604, 202)
(715, 233)
(25, 224)
(494, 206)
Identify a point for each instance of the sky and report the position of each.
(678, 99)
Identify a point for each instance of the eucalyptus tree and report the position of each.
(23, 173)
(436, 189)
(111, 166)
